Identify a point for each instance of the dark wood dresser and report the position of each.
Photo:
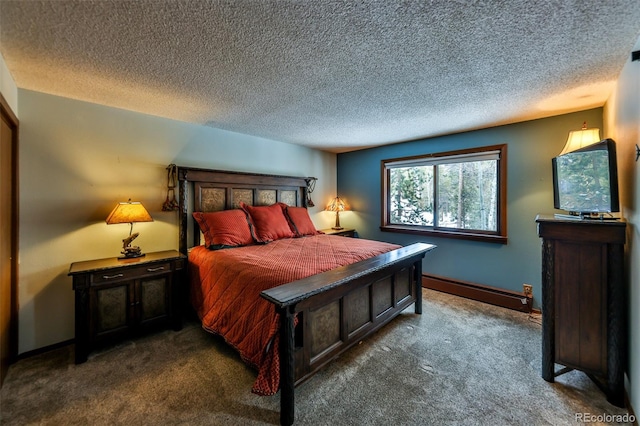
(117, 298)
(583, 301)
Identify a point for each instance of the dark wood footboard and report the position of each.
(337, 309)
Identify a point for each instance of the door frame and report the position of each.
(8, 115)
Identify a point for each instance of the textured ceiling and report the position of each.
(333, 75)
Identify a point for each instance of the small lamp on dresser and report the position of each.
(129, 212)
(581, 138)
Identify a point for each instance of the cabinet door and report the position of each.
(111, 310)
(154, 299)
(581, 306)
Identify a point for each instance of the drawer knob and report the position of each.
(159, 268)
(110, 277)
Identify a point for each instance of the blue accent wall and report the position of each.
(530, 147)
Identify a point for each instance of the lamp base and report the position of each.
(337, 226)
(132, 256)
(131, 252)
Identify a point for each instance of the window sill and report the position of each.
(442, 233)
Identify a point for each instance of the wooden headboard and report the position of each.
(202, 190)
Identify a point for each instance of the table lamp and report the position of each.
(580, 138)
(129, 212)
(337, 205)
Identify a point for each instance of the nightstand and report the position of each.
(118, 298)
(344, 232)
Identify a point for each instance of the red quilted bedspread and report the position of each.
(226, 286)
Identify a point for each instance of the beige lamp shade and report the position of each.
(129, 212)
(337, 205)
(581, 138)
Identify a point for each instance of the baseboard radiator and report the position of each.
(482, 293)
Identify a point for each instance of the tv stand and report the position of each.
(583, 302)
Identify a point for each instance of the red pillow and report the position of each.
(299, 220)
(228, 228)
(269, 222)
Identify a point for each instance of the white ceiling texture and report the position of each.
(332, 75)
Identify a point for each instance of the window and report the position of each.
(458, 194)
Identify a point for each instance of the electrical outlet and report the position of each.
(527, 289)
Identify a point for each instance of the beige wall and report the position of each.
(622, 124)
(78, 159)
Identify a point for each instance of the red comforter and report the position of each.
(226, 286)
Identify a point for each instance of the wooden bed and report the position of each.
(334, 309)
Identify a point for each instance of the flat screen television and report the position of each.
(585, 181)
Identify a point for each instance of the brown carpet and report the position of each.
(461, 362)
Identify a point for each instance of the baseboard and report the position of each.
(44, 349)
(482, 293)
